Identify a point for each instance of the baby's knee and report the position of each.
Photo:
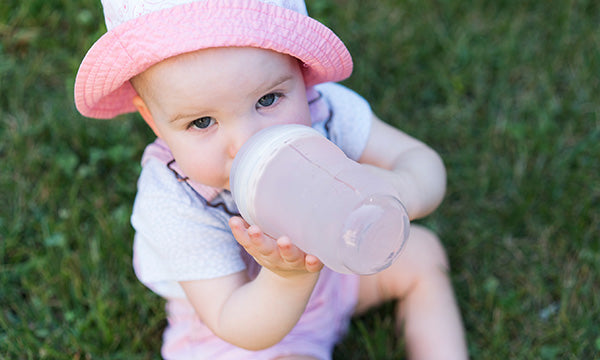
(423, 261)
(428, 249)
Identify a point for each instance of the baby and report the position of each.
(206, 75)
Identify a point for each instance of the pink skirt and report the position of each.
(322, 325)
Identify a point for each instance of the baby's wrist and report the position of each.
(291, 278)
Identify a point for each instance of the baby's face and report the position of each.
(206, 104)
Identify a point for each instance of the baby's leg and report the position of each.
(427, 311)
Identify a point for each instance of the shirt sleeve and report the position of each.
(178, 236)
(349, 124)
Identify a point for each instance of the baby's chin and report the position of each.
(215, 184)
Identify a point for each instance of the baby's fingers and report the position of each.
(294, 256)
(313, 264)
(251, 238)
(289, 252)
(239, 228)
(260, 243)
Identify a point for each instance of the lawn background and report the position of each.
(506, 91)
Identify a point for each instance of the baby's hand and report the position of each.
(280, 256)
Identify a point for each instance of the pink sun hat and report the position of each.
(142, 33)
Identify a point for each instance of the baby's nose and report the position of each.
(240, 135)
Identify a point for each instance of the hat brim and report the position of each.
(102, 87)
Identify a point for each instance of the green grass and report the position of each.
(507, 91)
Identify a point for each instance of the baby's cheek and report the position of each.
(211, 173)
(300, 116)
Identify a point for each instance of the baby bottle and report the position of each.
(290, 180)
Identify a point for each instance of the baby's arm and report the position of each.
(259, 313)
(417, 171)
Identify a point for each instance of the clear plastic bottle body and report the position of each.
(290, 180)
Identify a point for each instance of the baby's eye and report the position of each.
(268, 100)
(202, 123)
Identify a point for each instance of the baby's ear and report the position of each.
(140, 105)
